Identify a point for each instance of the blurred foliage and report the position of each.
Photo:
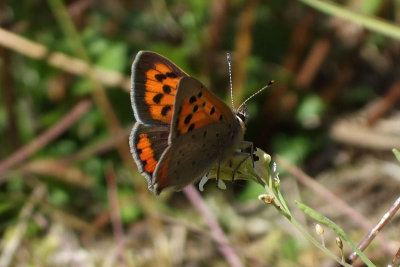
(291, 119)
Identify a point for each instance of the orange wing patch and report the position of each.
(146, 153)
(200, 110)
(162, 181)
(160, 91)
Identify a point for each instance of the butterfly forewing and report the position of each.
(154, 84)
(196, 107)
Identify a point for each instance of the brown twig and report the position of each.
(396, 259)
(334, 200)
(60, 170)
(390, 99)
(49, 135)
(313, 62)
(299, 40)
(374, 231)
(217, 233)
(100, 147)
(115, 214)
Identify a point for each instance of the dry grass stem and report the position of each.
(217, 233)
(59, 60)
(115, 217)
(11, 246)
(375, 230)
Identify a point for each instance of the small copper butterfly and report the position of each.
(182, 129)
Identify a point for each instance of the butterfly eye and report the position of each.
(243, 115)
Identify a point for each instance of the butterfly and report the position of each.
(182, 129)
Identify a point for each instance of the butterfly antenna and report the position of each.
(228, 58)
(271, 82)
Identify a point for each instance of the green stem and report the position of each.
(316, 243)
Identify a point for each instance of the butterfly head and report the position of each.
(242, 116)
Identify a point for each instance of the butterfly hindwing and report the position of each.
(154, 84)
(147, 144)
(196, 107)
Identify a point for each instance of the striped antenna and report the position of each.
(228, 58)
(271, 82)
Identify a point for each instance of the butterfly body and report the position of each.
(182, 129)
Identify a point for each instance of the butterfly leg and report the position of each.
(218, 171)
(238, 154)
(245, 145)
(246, 156)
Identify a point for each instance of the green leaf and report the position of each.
(369, 22)
(130, 211)
(114, 58)
(310, 110)
(292, 148)
(58, 197)
(396, 153)
(325, 221)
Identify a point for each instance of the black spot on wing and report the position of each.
(192, 99)
(160, 77)
(212, 110)
(165, 110)
(171, 75)
(157, 98)
(187, 119)
(191, 127)
(166, 89)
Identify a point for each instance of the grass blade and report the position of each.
(323, 220)
(371, 23)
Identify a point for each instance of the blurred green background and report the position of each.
(65, 117)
